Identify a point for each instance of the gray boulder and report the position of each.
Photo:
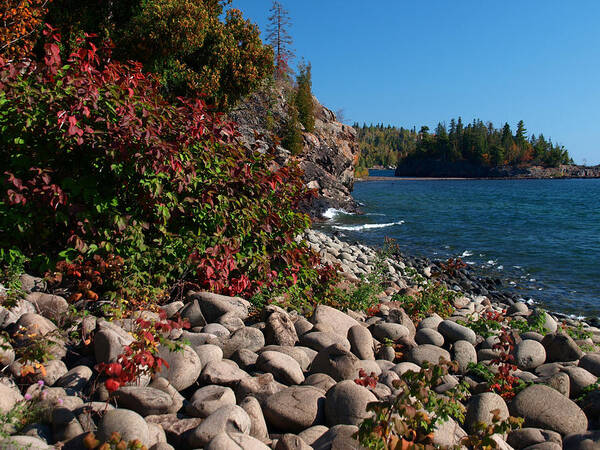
(228, 419)
(143, 400)
(480, 407)
(453, 332)
(335, 361)
(295, 408)
(283, 367)
(429, 353)
(529, 354)
(347, 403)
(184, 366)
(129, 424)
(543, 407)
(361, 342)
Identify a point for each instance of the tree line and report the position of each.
(477, 142)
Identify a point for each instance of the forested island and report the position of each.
(474, 149)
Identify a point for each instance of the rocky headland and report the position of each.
(289, 379)
(434, 168)
(329, 153)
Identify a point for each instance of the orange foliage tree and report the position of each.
(20, 20)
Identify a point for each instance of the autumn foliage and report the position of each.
(19, 21)
(96, 161)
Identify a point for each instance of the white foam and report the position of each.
(500, 267)
(367, 226)
(466, 253)
(532, 280)
(491, 262)
(333, 212)
(470, 262)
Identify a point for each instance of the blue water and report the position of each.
(542, 236)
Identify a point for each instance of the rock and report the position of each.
(280, 330)
(214, 306)
(432, 322)
(156, 435)
(518, 308)
(216, 329)
(209, 399)
(7, 353)
(143, 400)
(392, 331)
(55, 369)
(162, 384)
(261, 386)
(295, 408)
(320, 381)
(526, 437)
(52, 307)
(283, 367)
(448, 434)
(231, 321)
(532, 335)
(336, 362)
(429, 336)
(109, 344)
(208, 353)
(550, 324)
(75, 380)
(235, 441)
(544, 407)
(529, 354)
(258, 428)
(129, 424)
(579, 379)
(453, 332)
(247, 337)
(346, 403)
(23, 442)
(479, 409)
(591, 363)
(33, 324)
(339, 321)
(228, 419)
(65, 425)
(339, 437)
(8, 398)
(298, 353)
(403, 367)
(183, 369)
(320, 340)
(590, 440)
(175, 428)
(245, 359)
(224, 373)
(312, 434)
(193, 313)
(429, 353)
(561, 348)
(302, 326)
(560, 382)
(464, 353)
(197, 339)
(398, 315)
(31, 284)
(291, 441)
(361, 342)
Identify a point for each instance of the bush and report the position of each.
(304, 99)
(194, 46)
(96, 162)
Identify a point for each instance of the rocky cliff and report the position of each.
(466, 169)
(329, 153)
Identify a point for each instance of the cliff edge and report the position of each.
(329, 153)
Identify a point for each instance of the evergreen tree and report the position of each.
(292, 136)
(278, 36)
(304, 99)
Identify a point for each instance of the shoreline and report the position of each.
(471, 280)
(395, 178)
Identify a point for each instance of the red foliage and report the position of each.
(504, 383)
(366, 380)
(141, 356)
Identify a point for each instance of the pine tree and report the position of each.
(292, 137)
(304, 98)
(279, 38)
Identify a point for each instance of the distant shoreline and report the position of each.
(379, 178)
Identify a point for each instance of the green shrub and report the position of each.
(304, 99)
(433, 298)
(96, 161)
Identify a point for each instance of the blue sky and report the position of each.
(413, 63)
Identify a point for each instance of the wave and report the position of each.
(333, 212)
(367, 226)
(466, 253)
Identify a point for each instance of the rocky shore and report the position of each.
(284, 379)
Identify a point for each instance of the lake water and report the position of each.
(542, 236)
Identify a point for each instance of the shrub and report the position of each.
(304, 99)
(96, 162)
(194, 46)
(20, 23)
(434, 298)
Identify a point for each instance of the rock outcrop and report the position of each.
(329, 155)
